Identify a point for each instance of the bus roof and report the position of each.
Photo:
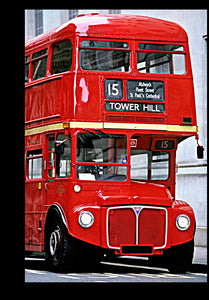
(114, 26)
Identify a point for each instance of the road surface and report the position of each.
(119, 270)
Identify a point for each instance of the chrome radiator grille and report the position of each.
(136, 225)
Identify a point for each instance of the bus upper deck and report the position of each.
(111, 71)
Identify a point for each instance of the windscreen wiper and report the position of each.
(108, 134)
(95, 134)
(101, 134)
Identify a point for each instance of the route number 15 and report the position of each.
(163, 144)
(113, 89)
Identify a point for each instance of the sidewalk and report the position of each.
(200, 255)
(199, 263)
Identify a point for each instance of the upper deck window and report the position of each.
(104, 59)
(161, 58)
(39, 60)
(27, 61)
(61, 57)
(104, 44)
(161, 47)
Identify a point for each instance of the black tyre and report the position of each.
(179, 258)
(59, 248)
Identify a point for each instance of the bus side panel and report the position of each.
(52, 97)
(177, 110)
(68, 91)
(43, 100)
(34, 97)
(88, 106)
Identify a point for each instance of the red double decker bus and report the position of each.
(108, 98)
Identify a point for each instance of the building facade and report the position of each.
(191, 179)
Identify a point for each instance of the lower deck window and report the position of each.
(59, 164)
(101, 157)
(149, 165)
(35, 161)
(91, 172)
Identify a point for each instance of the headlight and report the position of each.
(77, 188)
(86, 219)
(182, 222)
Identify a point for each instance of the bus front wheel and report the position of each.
(59, 248)
(179, 258)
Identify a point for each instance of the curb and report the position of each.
(198, 268)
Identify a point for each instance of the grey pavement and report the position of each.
(200, 255)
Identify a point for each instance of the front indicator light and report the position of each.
(182, 222)
(86, 219)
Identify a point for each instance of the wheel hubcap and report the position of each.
(54, 242)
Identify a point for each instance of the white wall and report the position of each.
(29, 24)
(53, 18)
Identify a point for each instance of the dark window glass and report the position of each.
(104, 60)
(39, 60)
(103, 152)
(61, 57)
(104, 44)
(165, 62)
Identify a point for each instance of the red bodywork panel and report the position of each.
(125, 213)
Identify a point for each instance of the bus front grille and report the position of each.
(141, 225)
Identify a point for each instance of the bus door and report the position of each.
(58, 168)
(50, 169)
(34, 195)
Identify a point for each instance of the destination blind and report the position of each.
(145, 90)
(134, 107)
(141, 90)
